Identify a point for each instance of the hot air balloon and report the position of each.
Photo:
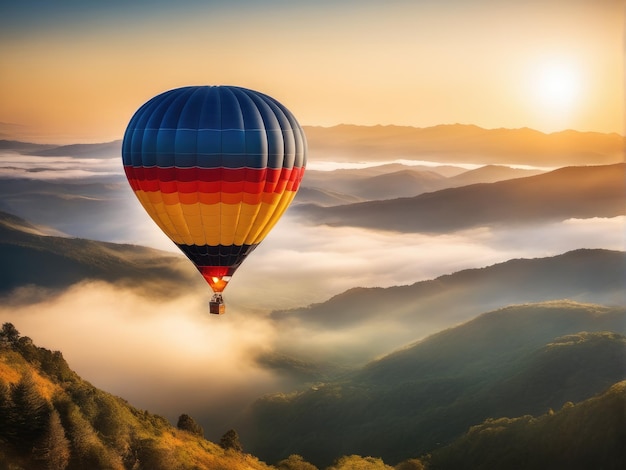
(215, 167)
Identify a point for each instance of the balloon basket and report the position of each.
(216, 305)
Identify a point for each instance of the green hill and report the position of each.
(518, 360)
(30, 257)
(587, 435)
(52, 419)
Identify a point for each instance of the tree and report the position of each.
(88, 450)
(151, 456)
(187, 423)
(9, 334)
(29, 413)
(295, 462)
(55, 448)
(356, 462)
(230, 440)
(5, 410)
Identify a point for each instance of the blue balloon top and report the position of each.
(214, 127)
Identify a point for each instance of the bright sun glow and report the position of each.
(556, 92)
(558, 85)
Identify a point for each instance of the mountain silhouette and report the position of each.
(31, 257)
(458, 143)
(571, 192)
(399, 181)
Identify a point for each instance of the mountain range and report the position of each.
(401, 182)
(571, 192)
(453, 143)
(456, 143)
(379, 319)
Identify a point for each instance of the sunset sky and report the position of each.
(76, 71)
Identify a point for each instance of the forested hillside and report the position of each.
(588, 435)
(52, 419)
(515, 361)
(30, 256)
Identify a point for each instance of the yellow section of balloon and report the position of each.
(214, 224)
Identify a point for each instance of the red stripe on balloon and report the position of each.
(213, 180)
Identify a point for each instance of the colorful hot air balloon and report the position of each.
(215, 167)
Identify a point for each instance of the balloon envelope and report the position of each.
(215, 167)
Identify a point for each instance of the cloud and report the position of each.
(170, 357)
(300, 264)
(13, 165)
(559, 237)
(321, 165)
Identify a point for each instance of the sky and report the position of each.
(76, 71)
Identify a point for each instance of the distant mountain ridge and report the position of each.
(570, 192)
(103, 150)
(23, 147)
(97, 150)
(452, 143)
(586, 275)
(426, 307)
(458, 143)
(398, 182)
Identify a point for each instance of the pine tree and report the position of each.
(29, 413)
(5, 410)
(55, 448)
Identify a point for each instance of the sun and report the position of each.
(558, 85)
(555, 93)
